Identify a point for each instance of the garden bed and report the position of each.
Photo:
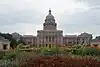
(59, 61)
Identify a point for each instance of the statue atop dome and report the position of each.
(49, 11)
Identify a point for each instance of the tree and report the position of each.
(21, 41)
(13, 42)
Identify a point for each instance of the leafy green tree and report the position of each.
(21, 42)
(13, 42)
(8, 36)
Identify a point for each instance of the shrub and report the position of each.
(2, 54)
(20, 46)
(10, 55)
(49, 51)
(77, 46)
(55, 49)
(84, 51)
(26, 50)
(91, 51)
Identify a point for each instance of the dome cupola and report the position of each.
(49, 22)
(49, 16)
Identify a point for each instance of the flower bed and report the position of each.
(54, 61)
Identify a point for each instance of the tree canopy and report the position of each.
(13, 42)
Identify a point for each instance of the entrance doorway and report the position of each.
(46, 45)
(4, 46)
(49, 45)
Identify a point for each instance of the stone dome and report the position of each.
(50, 16)
(85, 35)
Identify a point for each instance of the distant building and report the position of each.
(30, 39)
(4, 43)
(50, 36)
(16, 36)
(83, 38)
(96, 42)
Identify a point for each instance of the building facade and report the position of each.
(4, 43)
(50, 36)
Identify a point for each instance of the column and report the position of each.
(51, 39)
(48, 40)
(54, 40)
(57, 40)
(8, 45)
(38, 41)
(44, 40)
(67, 40)
(62, 41)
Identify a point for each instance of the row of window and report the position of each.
(49, 33)
(76, 42)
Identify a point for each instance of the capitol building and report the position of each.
(50, 36)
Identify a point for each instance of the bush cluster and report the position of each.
(84, 51)
(2, 54)
(49, 51)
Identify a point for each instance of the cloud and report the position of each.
(92, 2)
(87, 21)
(27, 16)
(23, 16)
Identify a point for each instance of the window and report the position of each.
(69, 42)
(53, 38)
(29, 42)
(49, 39)
(33, 45)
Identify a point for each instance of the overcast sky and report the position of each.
(72, 16)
